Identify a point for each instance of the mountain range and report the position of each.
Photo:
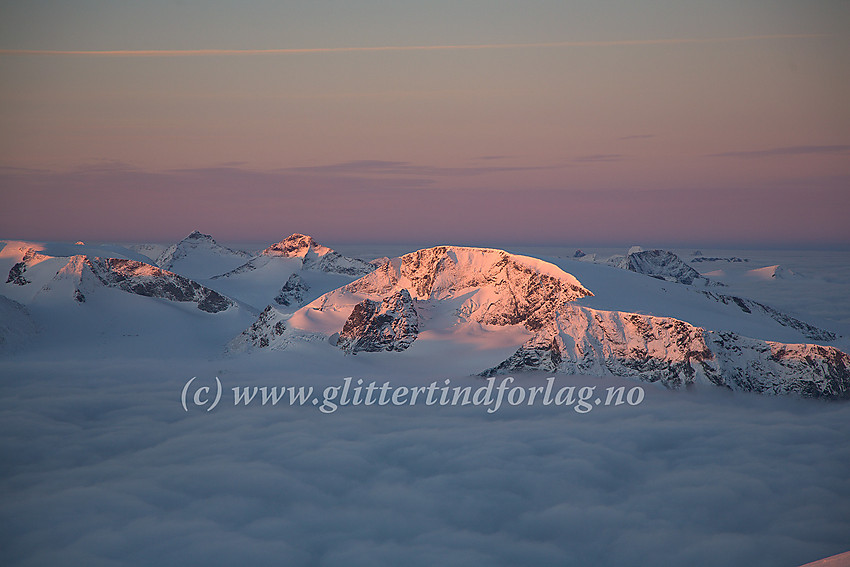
(519, 312)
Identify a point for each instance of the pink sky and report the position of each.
(541, 123)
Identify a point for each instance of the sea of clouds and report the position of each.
(102, 466)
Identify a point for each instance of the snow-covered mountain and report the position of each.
(663, 265)
(447, 292)
(289, 273)
(317, 257)
(660, 264)
(676, 353)
(37, 274)
(199, 256)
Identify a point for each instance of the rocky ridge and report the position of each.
(127, 275)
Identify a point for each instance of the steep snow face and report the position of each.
(768, 367)
(199, 256)
(392, 324)
(579, 340)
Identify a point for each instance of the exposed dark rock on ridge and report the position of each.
(389, 325)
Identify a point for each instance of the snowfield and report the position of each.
(102, 466)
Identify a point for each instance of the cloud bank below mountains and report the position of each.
(103, 467)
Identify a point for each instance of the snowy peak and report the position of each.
(661, 264)
(316, 257)
(505, 285)
(199, 256)
(81, 275)
(198, 235)
(454, 286)
(297, 246)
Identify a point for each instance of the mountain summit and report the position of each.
(317, 257)
(199, 256)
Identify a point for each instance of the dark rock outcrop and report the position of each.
(293, 292)
(147, 280)
(663, 265)
(389, 325)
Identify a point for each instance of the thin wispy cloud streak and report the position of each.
(788, 151)
(298, 51)
(599, 158)
(380, 167)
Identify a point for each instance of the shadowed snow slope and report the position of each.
(289, 274)
(199, 256)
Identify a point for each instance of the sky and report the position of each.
(475, 122)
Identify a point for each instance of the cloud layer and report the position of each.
(102, 467)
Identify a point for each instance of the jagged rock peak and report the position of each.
(16, 273)
(293, 291)
(198, 235)
(392, 324)
(316, 256)
(296, 245)
(270, 325)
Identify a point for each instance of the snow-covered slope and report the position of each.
(16, 325)
(38, 274)
(289, 273)
(199, 256)
(440, 293)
